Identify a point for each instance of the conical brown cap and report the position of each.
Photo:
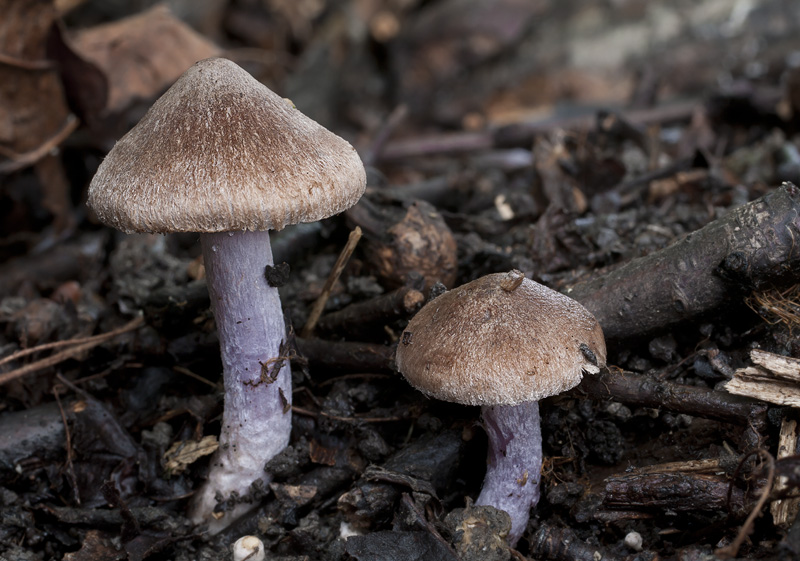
(500, 340)
(218, 152)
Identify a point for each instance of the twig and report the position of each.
(77, 347)
(309, 413)
(21, 161)
(646, 391)
(186, 372)
(396, 117)
(436, 145)
(730, 551)
(435, 190)
(523, 133)
(350, 356)
(67, 444)
(54, 345)
(376, 312)
(25, 64)
(338, 267)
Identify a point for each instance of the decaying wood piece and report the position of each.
(784, 511)
(647, 391)
(774, 379)
(754, 246)
(682, 492)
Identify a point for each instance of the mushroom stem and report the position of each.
(256, 421)
(514, 462)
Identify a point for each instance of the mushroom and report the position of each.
(503, 342)
(221, 155)
(248, 548)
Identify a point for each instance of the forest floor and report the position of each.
(638, 156)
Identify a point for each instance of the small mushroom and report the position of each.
(222, 155)
(503, 342)
(248, 548)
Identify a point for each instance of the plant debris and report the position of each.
(641, 157)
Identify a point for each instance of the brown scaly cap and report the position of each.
(218, 152)
(500, 340)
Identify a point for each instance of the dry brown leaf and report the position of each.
(142, 55)
(299, 495)
(33, 107)
(32, 104)
(185, 452)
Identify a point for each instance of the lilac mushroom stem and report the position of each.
(256, 423)
(514, 462)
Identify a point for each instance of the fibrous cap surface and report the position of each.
(219, 151)
(500, 340)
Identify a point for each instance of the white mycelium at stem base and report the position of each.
(257, 421)
(513, 462)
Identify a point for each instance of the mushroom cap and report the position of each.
(219, 151)
(500, 340)
(248, 548)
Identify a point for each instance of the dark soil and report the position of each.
(563, 139)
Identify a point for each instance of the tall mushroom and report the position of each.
(503, 342)
(222, 155)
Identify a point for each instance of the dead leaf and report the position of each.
(298, 495)
(33, 107)
(32, 104)
(185, 452)
(96, 546)
(320, 454)
(142, 55)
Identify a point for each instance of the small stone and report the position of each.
(634, 541)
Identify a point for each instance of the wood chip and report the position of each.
(774, 379)
(784, 511)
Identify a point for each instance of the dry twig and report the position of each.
(730, 551)
(76, 347)
(338, 267)
(67, 443)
